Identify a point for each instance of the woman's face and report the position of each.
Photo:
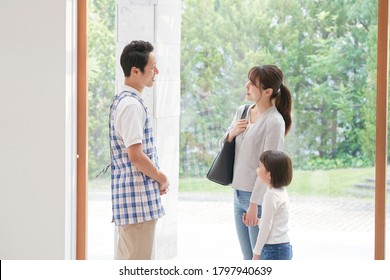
(253, 92)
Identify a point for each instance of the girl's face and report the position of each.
(263, 174)
(253, 92)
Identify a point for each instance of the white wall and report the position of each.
(36, 156)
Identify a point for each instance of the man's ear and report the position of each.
(134, 70)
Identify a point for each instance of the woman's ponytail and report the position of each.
(283, 104)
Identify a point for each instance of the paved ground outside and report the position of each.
(320, 229)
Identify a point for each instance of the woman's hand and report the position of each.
(255, 257)
(237, 129)
(250, 219)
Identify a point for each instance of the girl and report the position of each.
(267, 122)
(273, 243)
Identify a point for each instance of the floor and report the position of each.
(320, 229)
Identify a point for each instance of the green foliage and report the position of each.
(101, 81)
(215, 54)
(327, 50)
(343, 161)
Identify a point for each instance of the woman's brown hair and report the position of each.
(270, 76)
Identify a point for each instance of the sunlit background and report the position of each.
(327, 51)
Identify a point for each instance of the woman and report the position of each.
(267, 122)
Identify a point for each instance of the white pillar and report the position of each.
(159, 22)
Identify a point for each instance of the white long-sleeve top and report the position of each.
(273, 223)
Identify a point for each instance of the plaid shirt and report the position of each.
(135, 196)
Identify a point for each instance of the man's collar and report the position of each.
(129, 88)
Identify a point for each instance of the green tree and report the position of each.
(324, 57)
(327, 50)
(323, 49)
(219, 45)
(368, 135)
(101, 80)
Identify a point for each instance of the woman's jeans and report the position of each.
(246, 235)
(282, 251)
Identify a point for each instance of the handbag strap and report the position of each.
(243, 115)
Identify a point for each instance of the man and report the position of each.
(136, 181)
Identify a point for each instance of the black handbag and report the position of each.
(221, 171)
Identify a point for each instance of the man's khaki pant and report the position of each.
(135, 241)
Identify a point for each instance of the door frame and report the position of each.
(82, 131)
(381, 130)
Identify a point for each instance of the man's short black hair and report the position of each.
(135, 54)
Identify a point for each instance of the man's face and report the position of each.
(150, 71)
